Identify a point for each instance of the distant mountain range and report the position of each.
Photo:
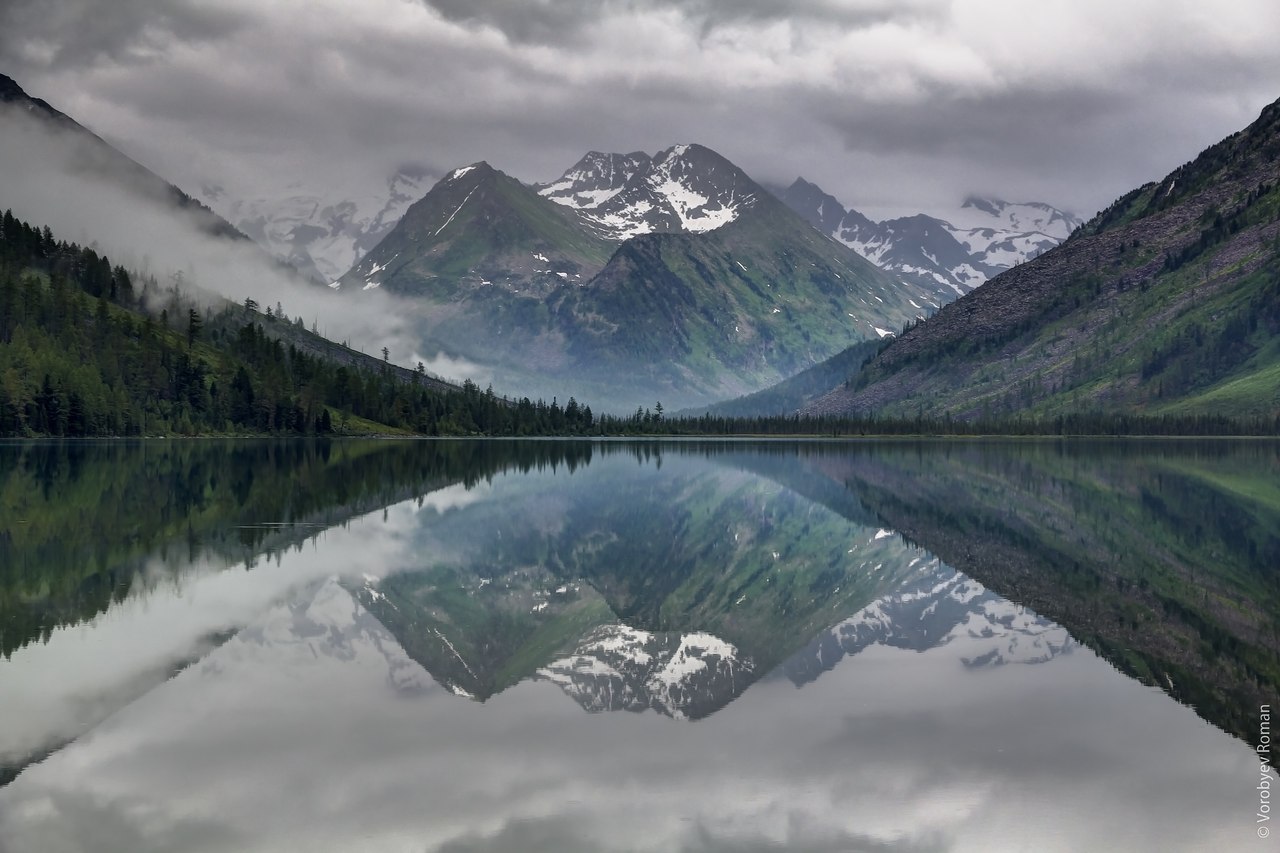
(626, 195)
(949, 256)
(631, 279)
(1167, 302)
(676, 270)
(322, 237)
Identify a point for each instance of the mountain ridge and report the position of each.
(950, 255)
(1168, 302)
(118, 166)
(531, 287)
(661, 193)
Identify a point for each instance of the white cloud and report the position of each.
(47, 182)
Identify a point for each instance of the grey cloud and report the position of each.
(1037, 145)
(257, 99)
(44, 169)
(86, 822)
(564, 834)
(561, 21)
(557, 21)
(80, 33)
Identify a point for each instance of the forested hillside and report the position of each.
(89, 349)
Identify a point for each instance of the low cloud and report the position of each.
(57, 178)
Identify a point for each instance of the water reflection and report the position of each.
(1164, 556)
(404, 664)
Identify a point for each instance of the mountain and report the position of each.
(1002, 234)
(1158, 559)
(651, 592)
(676, 271)
(950, 256)
(98, 159)
(478, 228)
(321, 236)
(1167, 302)
(795, 392)
(84, 353)
(687, 188)
(595, 179)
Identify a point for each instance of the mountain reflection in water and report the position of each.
(392, 628)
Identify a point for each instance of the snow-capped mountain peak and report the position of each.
(1002, 234)
(594, 179)
(1020, 217)
(685, 188)
(683, 676)
(951, 254)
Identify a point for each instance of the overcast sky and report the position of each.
(893, 107)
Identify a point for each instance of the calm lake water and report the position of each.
(657, 646)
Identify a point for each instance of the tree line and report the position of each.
(89, 349)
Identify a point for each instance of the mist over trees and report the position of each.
(88, 349)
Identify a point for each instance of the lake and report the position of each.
(637, 645)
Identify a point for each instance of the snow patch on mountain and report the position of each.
(616, 667)
(594, 179)
(948, 255)
(1012, 217)
(686, 188)
(943, 608)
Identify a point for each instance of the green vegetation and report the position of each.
(514, 281)
(82, 353)
(87, 349)
(790, 395)
(1167, 303)
(486, 226)
(705, 549)
(81, 520)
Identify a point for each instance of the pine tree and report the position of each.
(194, 325)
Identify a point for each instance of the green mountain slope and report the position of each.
(651, 552)
(527, 287)
(728, 311)
(1168, 302)
(477, 234)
